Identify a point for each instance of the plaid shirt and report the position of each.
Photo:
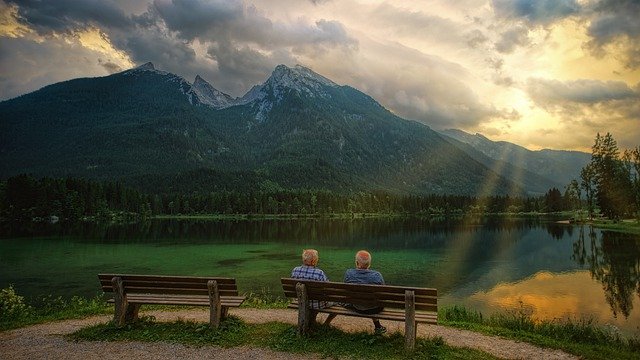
(311, 273)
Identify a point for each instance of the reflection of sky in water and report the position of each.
(548, 296)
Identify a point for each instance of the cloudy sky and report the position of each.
(542, 74)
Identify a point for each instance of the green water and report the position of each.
(532, 266)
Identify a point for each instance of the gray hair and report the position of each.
(363, 259)
(310, 257)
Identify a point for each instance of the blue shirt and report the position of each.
(311, 273)
(363, 276)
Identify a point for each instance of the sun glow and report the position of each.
(96, 40)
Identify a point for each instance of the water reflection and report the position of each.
(548, 296)
(614, 261)
(549, 269)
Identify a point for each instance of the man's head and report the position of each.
(363, 259)
(310, 257)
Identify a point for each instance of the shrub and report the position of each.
(12, 305)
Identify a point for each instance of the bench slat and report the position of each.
(231, 301)
(395, 315)
(158, 278)
(177, 291)
(290, 292)
(167, 284)
(382, 303)
(360, 287)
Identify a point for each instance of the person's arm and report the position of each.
(380, 279)
(346, 276)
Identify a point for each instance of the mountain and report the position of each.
(558, 167)
(209, 95)
(296, 130)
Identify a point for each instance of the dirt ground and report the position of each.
(46, 341)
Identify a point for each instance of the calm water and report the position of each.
(541, 268)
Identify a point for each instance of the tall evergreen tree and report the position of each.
(614, 189)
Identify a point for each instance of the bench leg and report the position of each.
(224, 312)
(215, 308)
(120, 301)
(132, 312)
(410, 320)
(304, 313)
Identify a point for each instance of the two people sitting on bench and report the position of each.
(360, 275)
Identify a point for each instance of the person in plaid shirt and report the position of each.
(309, 271)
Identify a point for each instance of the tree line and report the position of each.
(25, 197)
(609, 183)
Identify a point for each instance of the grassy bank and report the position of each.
(583, 338)
(627, 226)
(328, 342)
(15, 313)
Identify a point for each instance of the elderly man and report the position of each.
(309, 271)
(363, 275)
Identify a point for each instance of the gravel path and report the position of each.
(45, 341)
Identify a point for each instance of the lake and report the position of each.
(534, 266)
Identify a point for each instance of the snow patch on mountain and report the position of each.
(284, 79)
(209, 95)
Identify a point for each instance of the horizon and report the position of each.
(542, 75)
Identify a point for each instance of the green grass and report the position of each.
(327, 341)
(627, 226)
(583, 338)
(15, 313)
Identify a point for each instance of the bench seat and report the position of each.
(131, 291)
(386, 314)
(411, 305)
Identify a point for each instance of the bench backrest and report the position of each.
(370, 295)
(160, 284)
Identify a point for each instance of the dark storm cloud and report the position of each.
(191, 19)
(617, 22)
(67, 15)
(245, 44)
(536, 11)
(233, 21)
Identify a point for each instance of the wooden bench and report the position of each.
(409, 304)
(131, 291)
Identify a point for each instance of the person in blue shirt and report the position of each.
(363, 275)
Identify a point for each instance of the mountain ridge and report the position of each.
(296, 130)
(558, 166)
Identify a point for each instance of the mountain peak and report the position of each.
(146, 66)
(298, 76)
(209, 95)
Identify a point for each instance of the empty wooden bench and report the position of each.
(131, 291)
(409, 304)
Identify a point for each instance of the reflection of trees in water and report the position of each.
(613, 260)
(380, 233)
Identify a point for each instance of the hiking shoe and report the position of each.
(380, 330)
